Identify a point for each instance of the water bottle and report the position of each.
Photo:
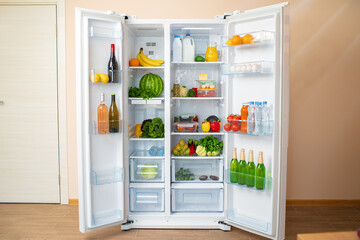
(161, 151)
(257, 114)
(265, 119)
(177, 49)
(153, 151)
(251, 118)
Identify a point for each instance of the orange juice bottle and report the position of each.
(244, 115)
(211, 54)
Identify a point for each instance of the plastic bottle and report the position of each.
(188, 49)
(153, 151)
(251, 118)
(265, 120)
(257, 130)
(244, 116)
(177, 49)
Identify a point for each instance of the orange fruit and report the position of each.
(134, 62)
(236, 40)
(228, 42)
(248, 38)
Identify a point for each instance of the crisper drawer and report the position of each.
(146, 170)
(197, 200)
(197, 170)
(147, 199)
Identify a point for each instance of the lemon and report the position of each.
(95, 78)
(104, 78)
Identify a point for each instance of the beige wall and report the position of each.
(323, 158)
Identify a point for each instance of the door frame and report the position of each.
(61, 89)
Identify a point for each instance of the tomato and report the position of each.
(230, 118)
(237, 119)
(180, 128)
(227, 127)
(235, 127)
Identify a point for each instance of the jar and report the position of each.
(211, 54)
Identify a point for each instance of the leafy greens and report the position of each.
(152, 128)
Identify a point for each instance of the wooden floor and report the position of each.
(52, 221)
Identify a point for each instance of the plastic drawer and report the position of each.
(146, 170)
(197, 200)
(147, 200)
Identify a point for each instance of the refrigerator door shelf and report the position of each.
(201, 171)
(197, 200)
(147, 200)
(94, 126)
(259, 38)
(245, 68)
(107, 176)
(239, 123)
(96, 80)
(146, 170)
(266, 182)
(248, 222)
(103, 32)
(107, 217)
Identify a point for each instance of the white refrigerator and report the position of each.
(112, 188)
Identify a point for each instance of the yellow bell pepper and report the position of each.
(138, 131)
(206, 126)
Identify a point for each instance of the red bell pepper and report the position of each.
(215, 126)
(195, 90)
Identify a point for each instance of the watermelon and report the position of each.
(152, 82)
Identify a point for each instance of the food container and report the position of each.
(211, 92)
(206, 84)
(186, 126)
(186, 118)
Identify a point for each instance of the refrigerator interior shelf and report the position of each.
(246, 221)
(256, 67)
(260, 38)
(265, 182)
(197, 157)
(197, 63)
(143, 154)
(107, 217)
(197, 133)
(107, 176)
(133, 138)
(146, 101)
(94, 128)
(96, 80)
(198, 98)
(146, 68)
(106, 33)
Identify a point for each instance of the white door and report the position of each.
(255, 71)
(100, 156)
(29, 161)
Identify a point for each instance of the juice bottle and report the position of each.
(244, 116)
(242, 170)
(211, 54)
(234, 167)
(103, 116)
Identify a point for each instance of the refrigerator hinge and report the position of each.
(224, 226)
(127, 226)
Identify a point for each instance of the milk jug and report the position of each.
(188, 49)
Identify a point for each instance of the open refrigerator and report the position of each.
(112, 189)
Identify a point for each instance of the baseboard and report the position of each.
(73, 202)
(292, 202)
(322, 202)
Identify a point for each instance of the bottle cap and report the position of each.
(257, 103)
(188, 34)
(252, 103)
(251, 156)
(177, 36)
(264, 102)
(102, 97)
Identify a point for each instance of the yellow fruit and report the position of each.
(236, 40)
(248, 38)
(178, 147)
(104, 78)
(95, 78)
(229, 42)
(182, 142)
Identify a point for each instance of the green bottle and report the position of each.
(242, 168)
(234, 167)
(260, 173)
(250, 180)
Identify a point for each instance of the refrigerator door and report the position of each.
(100, 156)
(256, 70)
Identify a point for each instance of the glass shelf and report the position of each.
(256, 67)
(261, 38)
(116, 75)
(94, 128)
(197, 98)
(197, 133)
(197, 64)
(133, 138)
(146, 101)
(266, 182)
(106, 176)
(106, 33)
(107, 217)
(146, 68)
(197, 157)
(144, 154)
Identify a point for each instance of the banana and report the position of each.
(147, 62)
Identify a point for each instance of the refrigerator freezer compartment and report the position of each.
(197, 170)
(107, 217)
(246, 221)
(147, 199)
(256, 67)
(103, 32)
(197, 200)
(146, 170)
(241, 127)
(208, 92)
(103, 77)
(253, 39)
(186, 127)
(106, 176)
(94, 127)
(146, 101)
(264, 183)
